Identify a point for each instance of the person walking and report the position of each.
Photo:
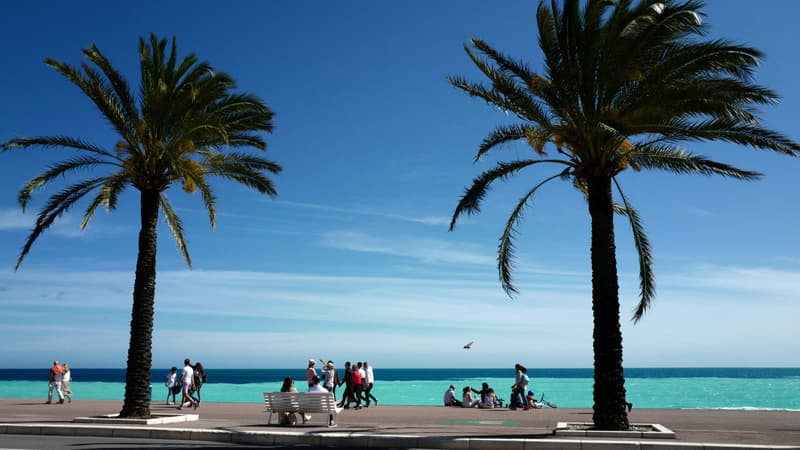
(521, 381)
(66, 383)
(349, 387)
(171, 382)
(187, 383)
(199, 379)
(368, 384)
(358, 379)
(56, 375)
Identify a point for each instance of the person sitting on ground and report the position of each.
(488, 399)
(450, 397)
(483, 391)
(315, 386)
(467, 401)
(531, 400)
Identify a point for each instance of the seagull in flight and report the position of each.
(469, 345)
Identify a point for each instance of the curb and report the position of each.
(361, 440)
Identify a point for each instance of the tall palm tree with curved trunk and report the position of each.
(180, 129)
(623, 86)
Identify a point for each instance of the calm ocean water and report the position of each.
(704, 388)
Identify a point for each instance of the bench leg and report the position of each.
(269, 419)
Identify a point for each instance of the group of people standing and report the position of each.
(358, 381)
(189, 384)
(60, 382)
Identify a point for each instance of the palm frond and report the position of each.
(505, 251)
(175, 227)
(249, 177)
(57, 205)
(118, 82)
(97, 90)
(727, 130)
(53, 172)
(218, 163)
(647, 278)
(680, 161)
(470, 201)
(56, 141)
(518, 85)
(194, 176)
(107, 196)
(504, 134)
(489, 95)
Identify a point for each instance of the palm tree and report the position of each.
(179, 131)
(623, 86)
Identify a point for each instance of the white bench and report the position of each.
(302, 402)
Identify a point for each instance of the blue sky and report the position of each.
(353, 260)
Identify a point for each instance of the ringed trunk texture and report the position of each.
(140, 356)
(609, 379)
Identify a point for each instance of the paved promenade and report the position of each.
(415, 427)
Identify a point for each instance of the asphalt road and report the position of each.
(38, 442)
(19, 442)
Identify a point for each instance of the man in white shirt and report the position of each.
(369, 380)
(187, 378)
(315, 387)
(450, 397)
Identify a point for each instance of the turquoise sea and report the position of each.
(695, 388)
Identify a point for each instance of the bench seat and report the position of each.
(302, 402)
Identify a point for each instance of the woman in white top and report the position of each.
(467, 401)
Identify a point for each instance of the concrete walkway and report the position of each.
(415, 427)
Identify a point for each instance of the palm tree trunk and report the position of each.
(140, 356)
(609, 379)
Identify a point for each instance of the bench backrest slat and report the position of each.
(299, 401)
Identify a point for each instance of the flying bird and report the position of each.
(469, 345)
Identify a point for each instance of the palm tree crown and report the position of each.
(185, 117)
(624, 85)
(180, 129)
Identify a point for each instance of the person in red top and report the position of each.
(357, 385)
(349, 387)
(56, 375)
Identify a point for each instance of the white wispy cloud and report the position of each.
(68, 225)
(14, 219)
(421, 249)
(424, 220)
(762, 282)
(382, 317)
